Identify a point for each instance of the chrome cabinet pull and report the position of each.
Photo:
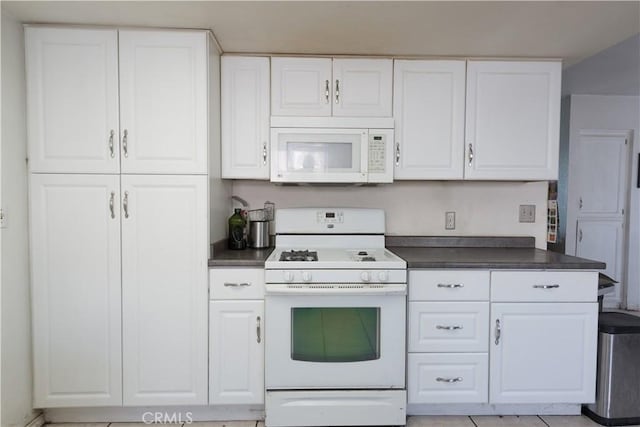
(580, 202)
(326, 91)
(264, 153)
(498, 331)
(580, 235)
(450, 285)
(397, 153)
(125, 204)
(235, 285)
(258, 328)
(546, 286)
(111, 148)
(470, 154)
(125, 143)
(111, 205)
(337, 91)
(449, 380)
(449, 328)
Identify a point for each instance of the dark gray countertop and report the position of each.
(224, 257)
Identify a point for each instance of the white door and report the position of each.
(164, 289)
(236, 352)
(362, 87)
(163, 101)
(75, 279)
(543, 352)
(429, 102)
(512, 120)
(301, 86)
(72, 99)
(245, 117)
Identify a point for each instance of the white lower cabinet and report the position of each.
(543, 352)
(236, 336)
(236, 352)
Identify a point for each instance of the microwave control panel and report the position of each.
(377, 152)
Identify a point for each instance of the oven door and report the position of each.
(342, 338)
(319, 155)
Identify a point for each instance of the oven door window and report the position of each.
(333, 334)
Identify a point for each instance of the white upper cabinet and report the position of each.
(110, 101)
(301, 86)
(362, 87)
(512, 120)
(72, 100)
(429, 104)
(245, 117)
(325, 87)
(163, 90)
(76, 292)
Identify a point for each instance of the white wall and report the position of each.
(16, 314)
(418, 208)
(613, 71)
(611, 113)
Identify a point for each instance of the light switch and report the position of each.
(527, 213)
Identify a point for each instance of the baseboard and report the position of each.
(38, 421)
(155, 414)
(487, 409)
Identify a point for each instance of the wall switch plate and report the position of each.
(3, 218)
(450, 221)
(527, 213)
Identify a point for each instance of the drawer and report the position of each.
(448, 378)
(448, 285)
(236, 283)
(544, 286)
(438, 327)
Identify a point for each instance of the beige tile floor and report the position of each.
(417, 421)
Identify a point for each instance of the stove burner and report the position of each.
(367, 258)
(305, 255)
(363, 253)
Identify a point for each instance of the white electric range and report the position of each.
(335, 321)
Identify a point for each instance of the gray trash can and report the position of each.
(618, 378)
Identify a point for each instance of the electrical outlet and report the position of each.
(3, 218)
(527, 213)
(450, 221)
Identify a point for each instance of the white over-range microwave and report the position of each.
(331, 150)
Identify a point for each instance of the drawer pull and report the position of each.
(449, 328)
(235, 285)
(450, 285)
(546, 286)
(449, 380)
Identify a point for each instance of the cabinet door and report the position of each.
(163, 106)
(362, 87)
(543, 352)
(164, 289)
(236, 352)
(429, 102)
(245, 117)
(75, 275)
(512, 120)
(301, 86)
(72, 100)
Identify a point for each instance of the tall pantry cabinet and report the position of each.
(118, 136)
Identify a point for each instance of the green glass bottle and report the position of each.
(237, 224)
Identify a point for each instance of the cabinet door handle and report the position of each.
(450, 285)
(449, 328)
(326, 91)
(580, 203)
(264, 153)
(258, 330)
(580, 235)
(470, 154)
(112, 205)
(125, 204)
(397, 153)
(498, 331)
(111, 148)
(449, 380)
(546, 286)
(337, 91)
(125, 143)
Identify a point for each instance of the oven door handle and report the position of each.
(335, 289)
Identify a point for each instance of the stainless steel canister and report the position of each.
(259, 234)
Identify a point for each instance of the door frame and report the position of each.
(572, 200)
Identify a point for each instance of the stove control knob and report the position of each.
(306, 276)
(365, 276)
(288, 276)
(383, 276)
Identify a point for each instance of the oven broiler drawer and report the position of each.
(336, 276)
